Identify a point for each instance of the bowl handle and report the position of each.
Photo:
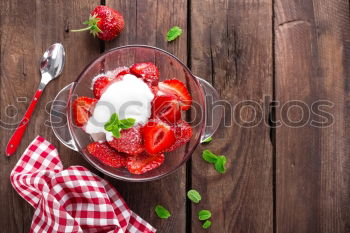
(59, 111)
(213, 113)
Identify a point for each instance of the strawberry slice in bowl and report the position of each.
(144, 162)
(123, 71)
(158, 136)
(100, 85)
(147, 71)
(106, 154)
(130, 141)
(167, 108)
(177, 88)
(183, 133)
(82, 108)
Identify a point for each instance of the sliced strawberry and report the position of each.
(124, 72)
(106, 154)
(157, 136)
(183, 133)
(144, 162)
(82, 107)
(147, 71)
(100, 85)
(130, 141)
(166, 108)
(178, 88)
(154, 89)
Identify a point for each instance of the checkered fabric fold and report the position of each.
(70, 200)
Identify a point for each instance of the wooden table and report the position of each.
(279, 178)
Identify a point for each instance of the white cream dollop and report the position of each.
(129, 98)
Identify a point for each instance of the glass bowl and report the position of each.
(202, 116)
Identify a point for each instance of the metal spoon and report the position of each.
(51, 66)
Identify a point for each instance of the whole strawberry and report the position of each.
(104, 22)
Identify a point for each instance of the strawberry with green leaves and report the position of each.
(104, 22)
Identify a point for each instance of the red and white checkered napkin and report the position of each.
(70, 200)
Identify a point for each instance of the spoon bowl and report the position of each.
(52, 61)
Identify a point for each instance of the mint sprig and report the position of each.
(115, 125)
(173, 33)
(162, 212)
(219, 161)
(127, 123)
(205, 215)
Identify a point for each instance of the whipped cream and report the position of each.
(129, 98)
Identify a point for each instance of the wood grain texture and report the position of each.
(231, 46)
(312, 63)
(27, 30)
(147, 22)
(245, 49)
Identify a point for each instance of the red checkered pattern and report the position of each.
(70, 200)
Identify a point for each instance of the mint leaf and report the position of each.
(109, 127)
(219, 161)
(127, 123)
(174, 33)
(113, 120)
(162, 212)
(204, 214)
(209, 156)
(220, 164)
(116, 133)
(115, 125)
(206, 224)
(194, 196)
(208, 140)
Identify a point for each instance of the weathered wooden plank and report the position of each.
(146, 22)
(312, 64)
(27, 29)
(231, 46)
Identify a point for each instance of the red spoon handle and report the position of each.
(21, 128)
